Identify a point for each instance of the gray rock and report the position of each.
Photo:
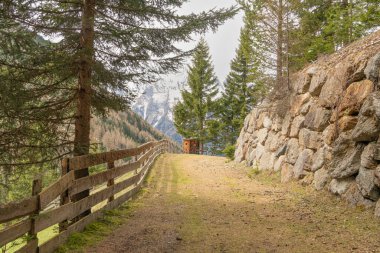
(377, 176)
(292, 151)
(317, 82)
(260, 150)
(267, 122)
(318, 159)
(310, 139)
(297, 124)
(286, 173)
(274, 141)
(303, 163)
(281, 150)
(262, 135)
(366, 184)
(279, 163)
(354, 197)
(329, 134)
(373, 68)
(317, 119)
(377, 209)
(277, 124)
(321, 178)
(285, 128)
(367, 159)
(340, 186)
(267, 161)
(368, 126)
(345, 157)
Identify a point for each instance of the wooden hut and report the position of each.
(191, 146)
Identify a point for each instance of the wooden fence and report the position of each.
(116, 185)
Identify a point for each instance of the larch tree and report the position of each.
(269, 22)
(100, 48)
(193, 114)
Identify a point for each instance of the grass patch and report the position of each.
(94, 232)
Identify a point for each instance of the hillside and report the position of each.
(122, 130)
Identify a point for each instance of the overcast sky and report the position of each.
(222, 43)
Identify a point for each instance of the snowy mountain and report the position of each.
(155, 105)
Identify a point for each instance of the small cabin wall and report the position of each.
(191, 146)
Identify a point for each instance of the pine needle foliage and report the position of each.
(192, 115)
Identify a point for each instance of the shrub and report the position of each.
(229, 151)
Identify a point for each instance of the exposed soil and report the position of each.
(204, 204)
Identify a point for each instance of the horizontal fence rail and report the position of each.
(24, 219)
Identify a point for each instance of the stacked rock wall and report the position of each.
(324, 130)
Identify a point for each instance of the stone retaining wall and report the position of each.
(324, 129)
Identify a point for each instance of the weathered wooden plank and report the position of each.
(99, 178)
(73, 209)
(13, 232)
(20, 209)
(56, 189)
(30, 247)
(53, 244)
(81, 162)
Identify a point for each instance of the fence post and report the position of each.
(36, 189)
(110, 166)
(65, 197)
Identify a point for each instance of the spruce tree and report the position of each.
(193, 114)
(100, 48)
(244, 87)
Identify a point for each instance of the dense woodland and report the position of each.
(279, 37)
(63, 63)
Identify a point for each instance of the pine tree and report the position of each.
(193, 114)
(269, 21)
(244, 87)
(101, 47)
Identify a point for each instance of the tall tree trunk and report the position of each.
(280, 41)
(83, 114)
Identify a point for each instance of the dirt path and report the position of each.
(203, 204)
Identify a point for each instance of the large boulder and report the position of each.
(296, 126)
(335, 83)
(310, 139)
(267, 161)
(292, 151)
(373, 68)
(377, 176)
(321, 178)
(345, 157)
(319, 159)
(347, 123)
(368, 126)
(317, 82)
(301, 82)
(317, 119)
(367, 159)
(297, 102)
(262, 135)
(286, 123)
(279, 163)
(377, 209)
(354, 197)
(354, 97)
(286, 173)
(340, 186)
(330, 134)
(366, 184)
(303, 163)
